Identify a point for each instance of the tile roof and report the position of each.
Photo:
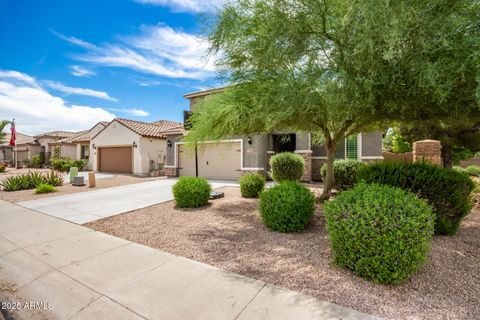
(72, 138)
(148, 129)
(87, 135)
(57, 134)
(21, 138)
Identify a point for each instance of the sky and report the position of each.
(67, 64)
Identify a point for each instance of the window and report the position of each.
(351, 146)
(85, 152)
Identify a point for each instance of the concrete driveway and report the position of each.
(89, 206)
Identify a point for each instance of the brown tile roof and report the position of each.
(57, 134)
(72, 138)
(167, 124)
(148, 129)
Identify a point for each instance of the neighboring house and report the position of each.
(79, 147)
(49, 140)
(26, 146)
(128, 146)
(228, 159)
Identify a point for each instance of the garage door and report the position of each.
(186, 161)
(115, 159)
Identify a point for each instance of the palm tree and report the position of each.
(3, 124)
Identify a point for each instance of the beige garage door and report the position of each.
(220, 160)
(186, 161)
(116, 159)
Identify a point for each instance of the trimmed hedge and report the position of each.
(379, 232)
(345, 173)
(64, 164)
(447, 191)
(286, 166)
(191, 192)
(251, 185)
(287, 207)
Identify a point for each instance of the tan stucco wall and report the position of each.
(68, 151)
(152, 150)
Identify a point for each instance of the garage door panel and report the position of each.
(220, 161)
(215, 161)
(186, 161)
(116, 159)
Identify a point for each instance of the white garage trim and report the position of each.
(175, 163)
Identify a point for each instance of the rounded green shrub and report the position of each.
(45, 188)
(191, 192)
(345, 173)
(447, 191)
(379, 232)
(287, 207)
(286, 166)
(251, 185)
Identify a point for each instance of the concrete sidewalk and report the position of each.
(73, 272)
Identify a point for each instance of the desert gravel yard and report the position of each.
(229, 234)
(67, 188)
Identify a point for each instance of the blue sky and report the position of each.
(69, 64)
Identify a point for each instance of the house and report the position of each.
(49, 140)
(78, 147)
(228, 159)
(128, 146)
(26, 146)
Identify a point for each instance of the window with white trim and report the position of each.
(351, 147)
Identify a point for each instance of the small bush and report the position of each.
(287, 207)
(379, 232)
(473, 170)
(37, 161)
(3, 166)
(80, 164)
(53, 179)
(191, 192)
(447, 191)
(345, 173)
(251, 185)
(286, 166)
(45, 188)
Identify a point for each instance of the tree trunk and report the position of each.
(447, 156)
(330, 177)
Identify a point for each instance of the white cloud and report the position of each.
(132, 112)
(79, 71)
(79, 91)
(195, 6)
(35, 110)
(158, 50)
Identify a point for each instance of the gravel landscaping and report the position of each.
(67, 188)
(229, 234)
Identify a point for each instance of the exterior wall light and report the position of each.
(134, 144)
(169, 143)
(249, 140)
(94, 147)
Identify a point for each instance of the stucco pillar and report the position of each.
(427, 151)
(307, 170)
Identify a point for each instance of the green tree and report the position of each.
(336, 67)
(3, 124)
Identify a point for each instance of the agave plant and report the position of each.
(11, 184)
(53, 179)
(35, 179)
